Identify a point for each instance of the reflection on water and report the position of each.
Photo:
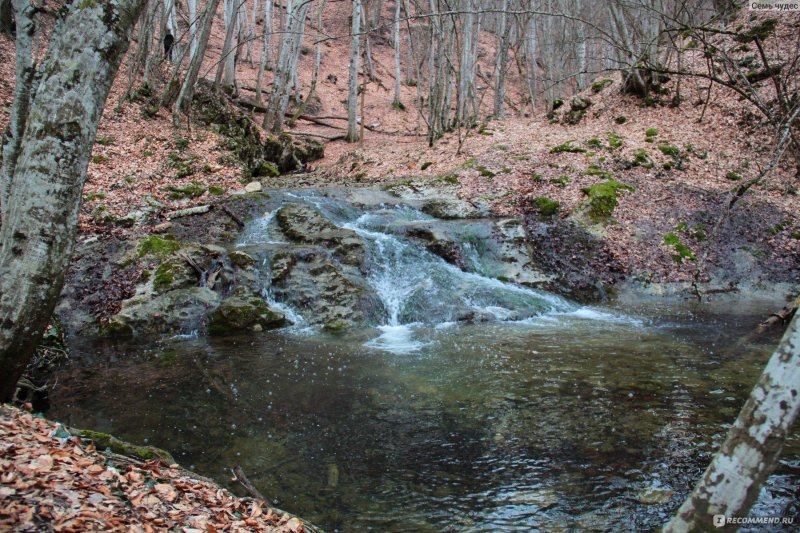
(560, 422)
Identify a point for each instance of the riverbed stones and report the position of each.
(253, 186)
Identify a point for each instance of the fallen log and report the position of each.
(189, 211)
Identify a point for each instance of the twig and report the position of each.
(238, 475)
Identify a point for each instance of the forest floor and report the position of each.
(52, 481)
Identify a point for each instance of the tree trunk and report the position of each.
(365, 18)
(41, 216)
(318, 51)
(227, 63)
(502, 62)
(266, 49)
(352, 81)
(397, 72)
(23, 13)
(193, 22)
(750, 452)
(287, 64)
(189, 82)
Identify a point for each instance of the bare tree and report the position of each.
(287, 64)
(190, 80)
(44, 184)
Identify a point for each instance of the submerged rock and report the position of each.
(237, 314)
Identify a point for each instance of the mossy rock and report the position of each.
(174, 273)
(104, 441)
(157, 245)
(194, 190)
(117, 327)
(599, 85)
(241, 259)
(574, 117)
(337, 325)
(603, 199)
(238, 314)
(580, 103)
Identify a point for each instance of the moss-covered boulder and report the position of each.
(577, 110)
(238, 314)
(603, 199)
(175, 310)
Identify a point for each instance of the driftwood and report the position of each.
(780, 317)
(208, 277)
(199, 210)
(238, 475)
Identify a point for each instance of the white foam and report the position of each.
(589, 313)
(396, 339)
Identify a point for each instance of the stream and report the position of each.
(466, 403)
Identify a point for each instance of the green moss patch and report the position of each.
(193, 190)
(546, 206)
(599, 85)
(104, 441)
(614, 140)
(157, 245)
(603, 198)
(567, 147)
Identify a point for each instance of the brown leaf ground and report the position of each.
(49, 483)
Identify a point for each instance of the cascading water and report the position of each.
(417, 288)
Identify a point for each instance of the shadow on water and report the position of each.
(558, 417)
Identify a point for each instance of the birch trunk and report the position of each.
(750, 452)
(41, 216)
(192, 9)
(352, 81)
